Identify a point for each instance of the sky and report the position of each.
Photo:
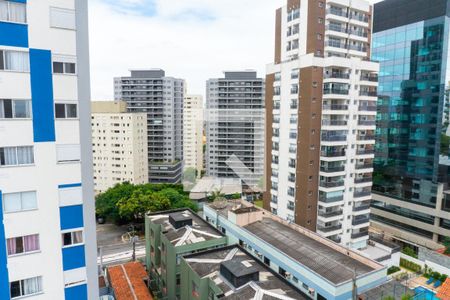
(190, 39)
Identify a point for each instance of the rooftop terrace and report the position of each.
(183, 227)
(331, 261)
(269, 285)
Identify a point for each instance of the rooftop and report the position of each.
(269, 285)
(331, 261)
(127, 281)
(207, 185)
(190, 232)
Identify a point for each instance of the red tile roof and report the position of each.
(444, 291)
(127, 281)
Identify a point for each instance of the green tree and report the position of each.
(190, 175)
(106, 203)
(446, 243)
(217, 195)
(135, 207)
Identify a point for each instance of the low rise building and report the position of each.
(317, 266)
(169, 236)
(119, 142)
(206, 186)
(129, 281)
(232, 273)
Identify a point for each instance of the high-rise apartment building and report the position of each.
(161, 98)
(410, 194)
(119, 143)
(47, 223)
(235, 127)
(193, 132)
(320, 110)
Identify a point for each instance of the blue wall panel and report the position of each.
(70, 185)
(76, 293)
(71, 217)
(14, 35)
(42, 95)
(19, 1)
(4, 279)
(73, 258)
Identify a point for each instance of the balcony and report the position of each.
(336, 28)
(334, 123)
(373, 78)
(365, 151)
(367, 122)
(335, 91)
(337, 75)
(334, 138)
(363, 180)
(368, 93)
(365, 137)
(367, 108)
(361, 194)
(359, 234)
(330, 214)
(360, 33)
(360, 221)
(357, 48)
(332, 169)
(331, 200)
(337, 12)
(332, 153)
(361, 207)
(335, 239)
(360, 18)
(335, 107)
(329, 228)
(364, 166)
(336, 44)
(331, 184)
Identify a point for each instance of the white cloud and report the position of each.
(190, 39)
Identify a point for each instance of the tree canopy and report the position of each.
(125, 202)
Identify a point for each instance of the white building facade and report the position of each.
(119, 143)
(320, 105)
(47, 223)
(235, 127)
(161, 97)
(193, 132)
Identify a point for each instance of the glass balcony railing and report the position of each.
(335, 91)
(331, 184)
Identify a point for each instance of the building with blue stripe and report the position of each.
(47, 222)
(321, 268)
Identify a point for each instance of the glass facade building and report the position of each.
(413, 50)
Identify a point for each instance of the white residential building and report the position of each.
(321, 100)
(193, 132)
(161, 97)
(119, 143)
(235, 127)
(47, 223)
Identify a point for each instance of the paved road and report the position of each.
(113, 248)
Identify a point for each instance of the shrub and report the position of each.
(410, 252)
(392, 270)
(410, 265)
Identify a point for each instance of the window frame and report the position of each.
(72, 231)
(13, 109)
(66, 104)
(16, 156)
(22, 285)
(24, 252)
(8, 12)
(3, 53)
(64, 66)
(21, 203)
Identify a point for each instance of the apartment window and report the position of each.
(14, 61)
(16, 202)
(15, 109)
(64, 67)
(72, 238)
(66, 111)
(26, 287)
(23, 244)
(15, 156)
(68, 153)
(62, 18)
(13, 12)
